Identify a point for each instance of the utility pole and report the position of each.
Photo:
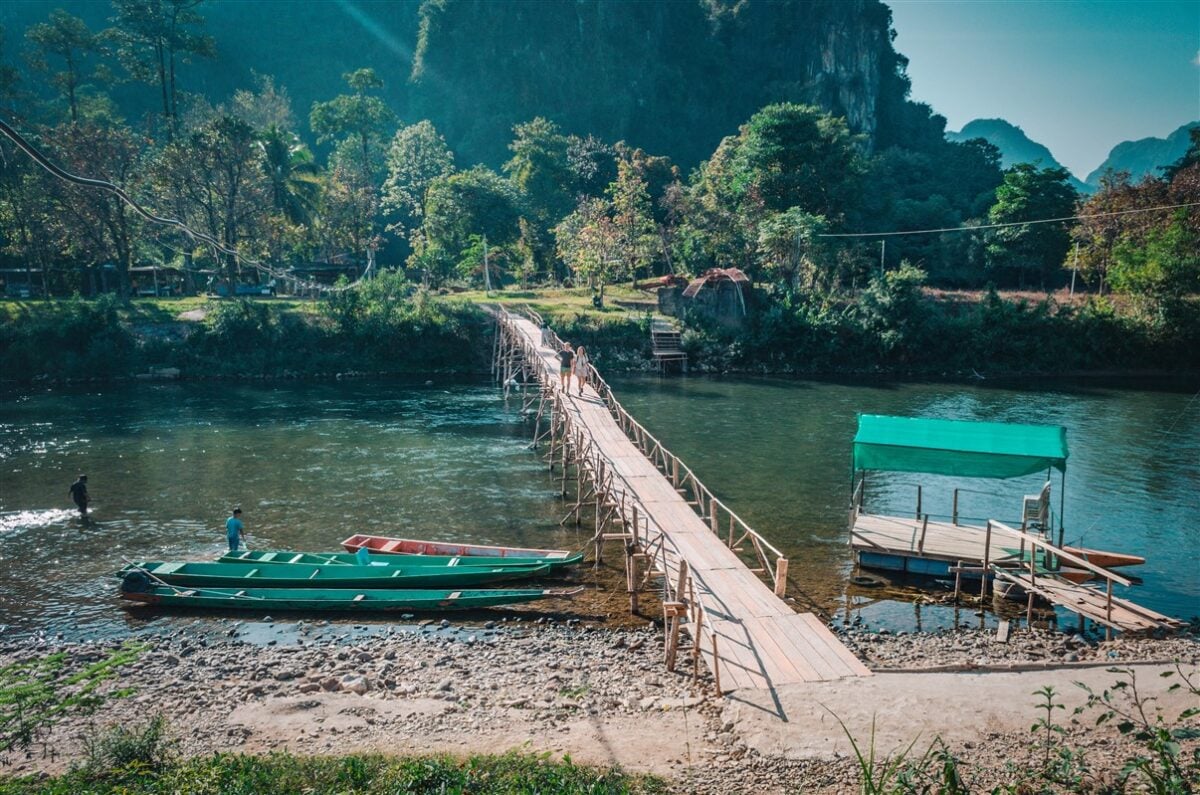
(487, 276)
(882, 254)
(1074, 268)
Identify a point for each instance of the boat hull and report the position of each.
(377, 559)
(335, 600)
(1105, 558)
(298, 575)
(384, 545)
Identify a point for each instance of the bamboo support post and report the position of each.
(716, 662)
(921, 541)
(954, 513)
(957, 580)
(987, 554)
(918, 502)
(781, 570)
(1108, 597)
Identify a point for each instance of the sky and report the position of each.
(1079, 76)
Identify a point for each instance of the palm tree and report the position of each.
(293, 173)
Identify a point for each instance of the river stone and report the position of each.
(355, 684)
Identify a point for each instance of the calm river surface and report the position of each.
(311, 464)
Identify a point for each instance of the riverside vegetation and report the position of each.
(390, 325)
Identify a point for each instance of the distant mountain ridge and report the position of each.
(1145, 156)
(1014, 145)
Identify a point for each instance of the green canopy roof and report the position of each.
(958, 447)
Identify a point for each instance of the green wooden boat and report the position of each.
(300, 575)
(347, 559)
(335, 599)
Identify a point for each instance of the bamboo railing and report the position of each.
(720, 518)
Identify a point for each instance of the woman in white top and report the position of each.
(581, 366)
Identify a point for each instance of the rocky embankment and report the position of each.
(967, 649)
(599, 694)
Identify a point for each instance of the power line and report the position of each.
(216, 245)
(1012, 223)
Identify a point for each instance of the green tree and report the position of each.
(152, 37)
(587, 240)
(94, 226)
(540, 167)
(461, 206)
(293, 174)
(797, 156)
(215, 175)
(635, 236)
(785, 156)
(68, 38)
(359, 117)
(1029, 193)
(790, 249)
(417, 156)
(593, 165)
(1165, 265)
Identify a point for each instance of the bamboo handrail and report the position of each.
(668, 461)
(1061, 553)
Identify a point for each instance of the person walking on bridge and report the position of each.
(565, 357)
(581, 367)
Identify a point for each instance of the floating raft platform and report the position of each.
(941, 549)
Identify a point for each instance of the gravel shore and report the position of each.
(601, 695)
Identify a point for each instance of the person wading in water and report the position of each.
(234, 531)
(79, 494)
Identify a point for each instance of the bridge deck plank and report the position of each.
(761, 641)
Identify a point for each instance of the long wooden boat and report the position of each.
(336, 599)
(299, 575)
(348, 559)
(1105, 558)
(384, 545)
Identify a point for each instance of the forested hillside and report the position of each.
(672, 78)
(466, 143)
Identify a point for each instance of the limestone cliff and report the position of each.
(671, 77)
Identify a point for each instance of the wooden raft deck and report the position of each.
(761, 641)
(933, 540)
(917, 542)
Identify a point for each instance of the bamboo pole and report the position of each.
(716, 662)
(1108, 610)
(781, 570)
(987, 553)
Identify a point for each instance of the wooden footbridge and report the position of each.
(675, 534)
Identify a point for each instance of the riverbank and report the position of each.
(389, 326)
(602, 697)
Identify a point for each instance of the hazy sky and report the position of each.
(1079, 76)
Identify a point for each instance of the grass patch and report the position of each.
(367, 774)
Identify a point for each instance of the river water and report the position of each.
(310, 464)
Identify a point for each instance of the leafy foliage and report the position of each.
(37, 693)
(369, 774)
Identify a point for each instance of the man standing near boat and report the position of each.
(234, 530)
(79, 494)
